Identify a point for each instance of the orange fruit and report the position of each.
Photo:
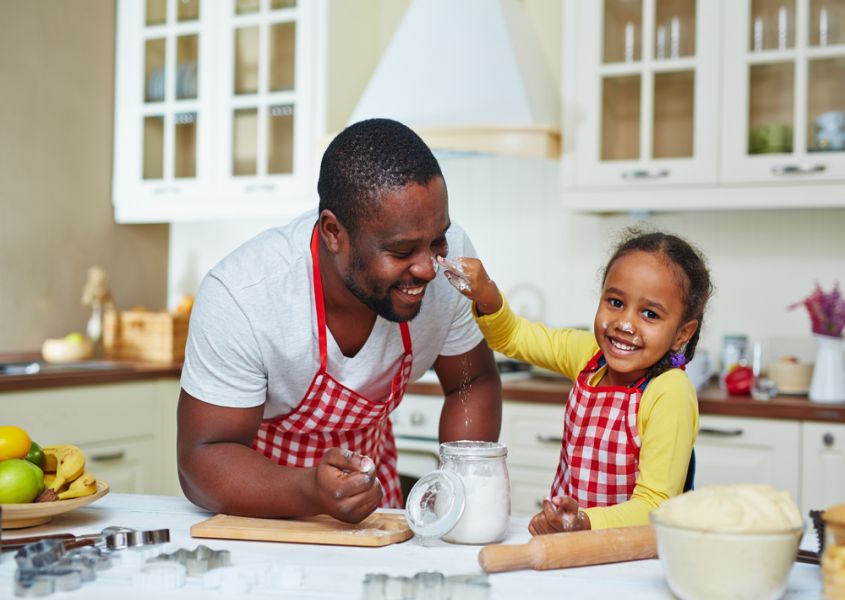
(14, 442)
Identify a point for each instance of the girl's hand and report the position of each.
(468, 276)
(559, 514)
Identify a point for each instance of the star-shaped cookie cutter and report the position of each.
(197, 561)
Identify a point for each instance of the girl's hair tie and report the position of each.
(678, 359)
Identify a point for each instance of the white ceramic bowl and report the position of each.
(717, 565)
(60, 350)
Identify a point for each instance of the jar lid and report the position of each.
(435, 504)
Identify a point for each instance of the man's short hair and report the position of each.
(367, 159)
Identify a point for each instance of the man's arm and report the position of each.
(219, 470)
(473, 390)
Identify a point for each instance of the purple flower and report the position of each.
(827, 311)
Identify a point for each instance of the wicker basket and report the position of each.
(145, 335)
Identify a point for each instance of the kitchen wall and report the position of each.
(549, 259)
(56, 112)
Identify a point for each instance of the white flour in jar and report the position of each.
(487, 509)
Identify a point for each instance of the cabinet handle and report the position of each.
(549, 439)
(645, 174)
(798, 169)
(828, 440)
(108, 456)
(171, 189)
(719, 432)
(259, 187)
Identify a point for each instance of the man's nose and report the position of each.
(425, 266)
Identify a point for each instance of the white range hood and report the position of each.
(468, 76)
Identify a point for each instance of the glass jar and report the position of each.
(466, 501)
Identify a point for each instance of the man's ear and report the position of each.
(334, 235)
(684, 334)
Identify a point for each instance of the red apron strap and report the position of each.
(406, 336)
(318, 297)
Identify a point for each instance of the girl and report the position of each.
(632, 415)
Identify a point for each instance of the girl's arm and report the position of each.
(667, 422)
(563, 350)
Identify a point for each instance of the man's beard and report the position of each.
(382, 305)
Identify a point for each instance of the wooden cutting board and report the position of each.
(379, 529)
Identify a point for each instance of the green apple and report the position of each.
(75, 337)
(20, 481)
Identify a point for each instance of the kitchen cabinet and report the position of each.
(127, 430)
(648, 74)
(533, 435)
(744, 450)
(690, 105)
(822, 466)
(214, 105)
(784, 91)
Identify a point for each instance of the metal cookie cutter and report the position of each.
(46, 567)
(124, 538)
(60, 565)
(199, 560)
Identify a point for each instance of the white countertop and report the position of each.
(336, 572)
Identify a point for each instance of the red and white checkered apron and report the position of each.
(333, 416)
(600, 453)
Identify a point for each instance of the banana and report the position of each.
(52, 455)
(83, 485)
(48, 479)
(78, 491)
(70, 465)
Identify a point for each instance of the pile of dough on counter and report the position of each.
(740, 508)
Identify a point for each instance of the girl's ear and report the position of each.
(683, 335)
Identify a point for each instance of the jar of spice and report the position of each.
(466, 501)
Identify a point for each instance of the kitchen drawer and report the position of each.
(130, 466)
(82, 415)
(533, 434)
(527, 498)
(744, 450)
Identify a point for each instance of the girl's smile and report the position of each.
(639, 316)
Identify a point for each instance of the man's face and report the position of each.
(392, 257)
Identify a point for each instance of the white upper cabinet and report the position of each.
(703, 104)
(648, 70)
(214, 109)
(784, 91)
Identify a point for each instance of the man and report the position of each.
(303, 340)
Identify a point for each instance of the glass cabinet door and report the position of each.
(785, 92)
(162, 107)
(264, 111)
(654, 95)
(171, 113)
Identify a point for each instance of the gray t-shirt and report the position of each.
(253, 332)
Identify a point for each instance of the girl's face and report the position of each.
(639, 316)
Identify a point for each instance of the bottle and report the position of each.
(734, 348)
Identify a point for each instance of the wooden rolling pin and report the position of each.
(575, 549)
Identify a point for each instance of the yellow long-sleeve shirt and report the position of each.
(667, 419)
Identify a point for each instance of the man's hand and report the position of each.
(346, 486)
(468, 276)
(559, 514)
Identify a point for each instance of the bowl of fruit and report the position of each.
(71, 348)
(38, 483)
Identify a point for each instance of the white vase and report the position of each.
(828, 384)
